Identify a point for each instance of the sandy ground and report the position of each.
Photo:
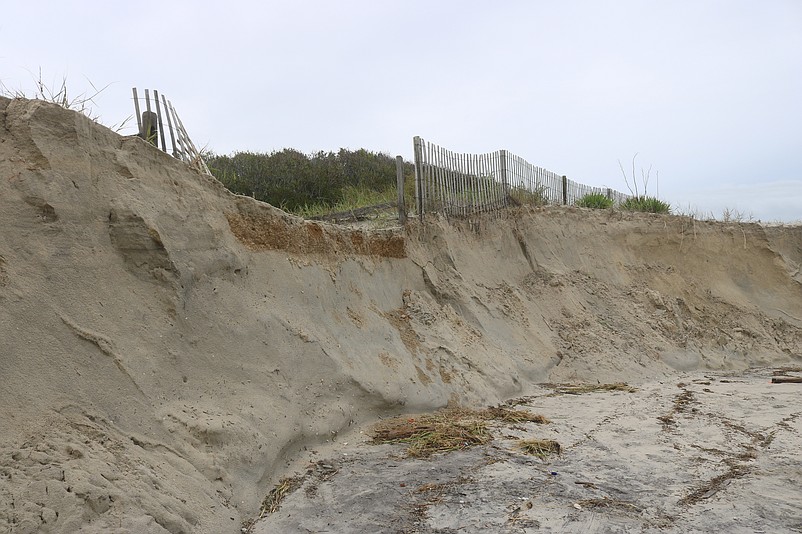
(168, 350)
(711, 452)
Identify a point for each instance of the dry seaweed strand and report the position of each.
(272, 502)
(542, 448)
(447, 430)
(607, 502)
(499, 413)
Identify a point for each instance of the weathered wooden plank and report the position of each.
(473, 180)
(147, 100)
(441, 179)
(438, 187)
(179, 134)
(417, 149)
(447, 179)
(193, 152)
(170, 127)
(399, 179)
(484, 184)
(430, 175)
(463, 184)
(504, 182)
(136, 107)
(159, 117)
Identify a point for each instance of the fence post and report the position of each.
(609, 193)
(565, 190)
(150, 128)
(502, 166)
(417, 143)
(150, 123)
(399, 176)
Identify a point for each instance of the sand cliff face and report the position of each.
(166, 346)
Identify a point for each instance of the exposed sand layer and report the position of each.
(167, 349)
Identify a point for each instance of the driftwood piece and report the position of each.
(786, 380)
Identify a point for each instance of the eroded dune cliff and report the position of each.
(166, 346)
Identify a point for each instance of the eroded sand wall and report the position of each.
(166, 347)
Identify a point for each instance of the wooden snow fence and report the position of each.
(458, 185)
(152, 113)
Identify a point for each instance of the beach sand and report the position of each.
(716, 452)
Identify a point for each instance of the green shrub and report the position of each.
(296, 181)
(597, 201)
(646, 204)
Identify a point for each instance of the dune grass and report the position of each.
(58, 93)
(595, 201)
(646, 204)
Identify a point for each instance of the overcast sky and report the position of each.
(708, 93)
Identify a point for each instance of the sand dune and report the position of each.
(168, 349)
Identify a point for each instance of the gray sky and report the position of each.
(708, 93)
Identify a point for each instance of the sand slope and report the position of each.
(167, 347)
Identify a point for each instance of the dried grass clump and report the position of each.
(542, 448)
(447, 430)
(444, 431)
(499, 413)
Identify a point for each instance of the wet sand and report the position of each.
(708, 452)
